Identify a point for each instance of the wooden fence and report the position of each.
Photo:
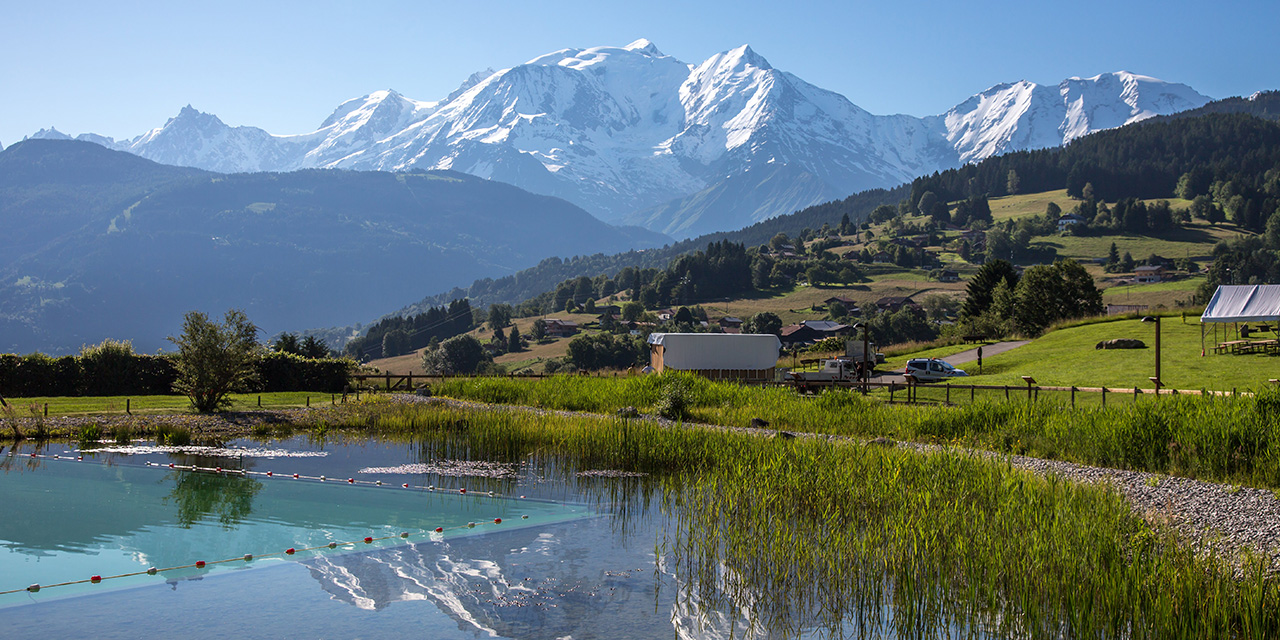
(949, 394)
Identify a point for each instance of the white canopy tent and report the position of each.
(1241, 303)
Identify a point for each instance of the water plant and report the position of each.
(804, 533)
(174, 436)
(122, 433)
(89, 435)
(1225, 438)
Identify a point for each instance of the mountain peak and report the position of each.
(745, 55)
(645, 46)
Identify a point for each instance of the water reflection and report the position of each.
(200, 496)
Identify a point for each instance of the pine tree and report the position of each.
(513, 340)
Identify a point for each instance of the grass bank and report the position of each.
(144, 405)
(799, 532)
(1226, 439)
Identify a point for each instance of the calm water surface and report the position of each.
(562, 564)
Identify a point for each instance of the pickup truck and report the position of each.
(833, 371)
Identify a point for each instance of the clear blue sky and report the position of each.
(121, 68)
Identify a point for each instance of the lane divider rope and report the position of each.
(249, 557)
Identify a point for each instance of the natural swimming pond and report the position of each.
(729, 535)
(554, 566)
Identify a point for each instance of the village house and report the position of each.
(560, 328)
(730, 324)
(893, 304)
(948, 275)
(1147, 274)
(1069, 220)
(811, 331)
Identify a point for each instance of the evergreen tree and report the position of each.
(513, 340)
(1012, 183)
(983, 284)
(1113, 255)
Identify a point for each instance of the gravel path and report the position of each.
(1227, 518)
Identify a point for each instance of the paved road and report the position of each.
(963, 357)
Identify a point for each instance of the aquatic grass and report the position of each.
(122, 434)
(171, 435)
(1223, 438)
(89, 435)
(803, 533)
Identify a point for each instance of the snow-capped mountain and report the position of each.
(1025, 115)
(627, 131)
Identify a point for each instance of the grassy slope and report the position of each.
(1067, 357)
(794, 305)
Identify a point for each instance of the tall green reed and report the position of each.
(804, 533)
(1230, 439)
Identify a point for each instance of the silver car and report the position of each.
(932, 370)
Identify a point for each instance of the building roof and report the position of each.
(894, 301)
(1149, 269)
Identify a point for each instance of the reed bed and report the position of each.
(1233, 439)
(850, 540)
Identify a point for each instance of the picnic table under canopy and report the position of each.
(1235, 304)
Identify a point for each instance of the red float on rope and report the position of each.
(405, 485)
(170, 465)
(462, 490)
(368, 539)
(439, 529)
(268, 474)
(295, 476)
(289, 551)
(199, 564)
(497, 520)
(351, 480)
(219, 469)
(95, 579)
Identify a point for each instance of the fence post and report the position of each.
(1073, 396)
(972, 390)
(1135, 395)
(46, 408)
(891, 386)
(259, 402)
(948, 393)
(127, 408)
(308, 402)
(1006, 392)
(1104, 397)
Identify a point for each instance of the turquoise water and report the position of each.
(70, 520)
(571, 569)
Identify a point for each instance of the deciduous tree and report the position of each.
(214, 359)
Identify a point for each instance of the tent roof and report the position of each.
(1244, 303)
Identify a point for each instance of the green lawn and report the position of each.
(1067, 357)
(1194, 241)
(70, 406)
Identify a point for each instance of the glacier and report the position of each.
(625, 132)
